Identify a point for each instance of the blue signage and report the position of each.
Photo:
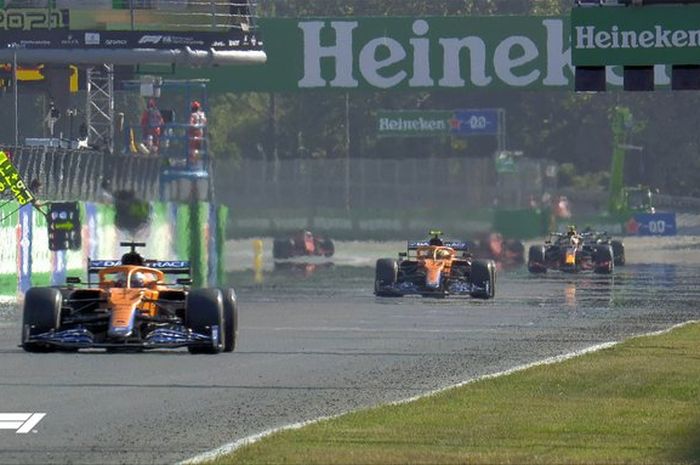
(652, 224)
(475, 123)
(24, 249)
(59, 262)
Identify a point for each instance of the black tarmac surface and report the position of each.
(315, 342)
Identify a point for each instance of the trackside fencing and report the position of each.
(85, 175)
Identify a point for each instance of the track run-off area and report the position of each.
(314, 341)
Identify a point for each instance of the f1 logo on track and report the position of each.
(22, 423)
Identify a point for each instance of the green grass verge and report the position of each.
(635, 403)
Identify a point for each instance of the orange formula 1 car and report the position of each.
(435, 268)
(130, 307)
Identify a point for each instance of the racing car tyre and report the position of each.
(618, 249)
(603, 259)
(282, 248)
(536, 259)
(483, 274)
(204, 309)
(41, 314)
(385, 274)
(326, 246)
(230, 319)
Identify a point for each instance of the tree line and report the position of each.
(571, 129)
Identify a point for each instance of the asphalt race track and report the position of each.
(316, 342)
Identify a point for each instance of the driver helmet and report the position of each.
(137, 279)
(443, 254)
(571, 231)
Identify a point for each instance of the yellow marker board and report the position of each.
(10, 179)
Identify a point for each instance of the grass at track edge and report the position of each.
(637, 402)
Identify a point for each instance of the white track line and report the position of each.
(233, 446)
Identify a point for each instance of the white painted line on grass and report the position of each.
(233, 446)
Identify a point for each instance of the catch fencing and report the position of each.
(387, 184)
(87, 175)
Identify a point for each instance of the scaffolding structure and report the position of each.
(99, 111)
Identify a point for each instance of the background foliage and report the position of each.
(561, 126)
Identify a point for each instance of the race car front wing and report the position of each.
(451, 288)
(160, 338)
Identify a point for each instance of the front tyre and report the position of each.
(536, 262)
(618, 249)
(41, 314)
(603, 260)
(204, 310)
(386, 275)
(230, 331)
(483, 276)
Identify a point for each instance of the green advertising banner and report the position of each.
(638, 36)
(400, 53)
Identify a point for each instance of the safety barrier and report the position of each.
(88, 175)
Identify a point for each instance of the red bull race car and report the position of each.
(130, 306)
(594, 238)
(435, 268)
(570, 252)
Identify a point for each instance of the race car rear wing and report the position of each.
(166, 266)
(460, 246)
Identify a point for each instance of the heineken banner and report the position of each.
(393, 53)
(466, 53)
(636, 36)
(438, 123)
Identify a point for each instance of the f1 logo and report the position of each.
(22, 423)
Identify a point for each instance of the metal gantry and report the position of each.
(99, 109)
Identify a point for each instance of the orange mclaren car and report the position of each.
(130, 306)
(435, 268)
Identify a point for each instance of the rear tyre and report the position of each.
(41, 314)
(618, 249)
(483, 275)
(230, 319)
(326, 246)
(204, 310)
(385, 275)
(282, 248)
(603, 259)
(536, 259)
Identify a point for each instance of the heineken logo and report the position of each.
(649, 35)
(589, 37)
(390, 53)
(416, 124)
(430, 123)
